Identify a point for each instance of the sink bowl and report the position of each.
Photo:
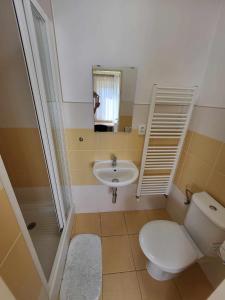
(125, 172)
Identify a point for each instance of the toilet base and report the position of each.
(157, 273)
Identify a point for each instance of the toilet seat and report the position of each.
(166, 245)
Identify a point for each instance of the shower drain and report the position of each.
(31, 225)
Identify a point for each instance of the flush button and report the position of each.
(212, 207)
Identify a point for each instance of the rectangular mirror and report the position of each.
(113, 97)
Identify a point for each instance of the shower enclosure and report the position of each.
(31, 129)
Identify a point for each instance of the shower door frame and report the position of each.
(27, 31)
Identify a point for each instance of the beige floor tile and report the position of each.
(87, 223)
(116, 254)
(138, 256)
(113, 223)
(135, 220)
(157, 214)
(193, 284)
(152, 289)
(121, 286)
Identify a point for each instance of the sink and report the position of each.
(125, 172)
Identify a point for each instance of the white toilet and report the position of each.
(171, 247)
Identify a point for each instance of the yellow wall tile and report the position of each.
(135, 141)
(194, 173)
(105, 154)
(19, 273)
(16, 265)
(187, 140)
(202, 166)
(220, 162)
(216, 186)
(110, 140)
(81, 159)
(22, 153)
(89, 139)
(179, 167)
(204, 147)
(99, 146)
(9, 228)
(133, 155)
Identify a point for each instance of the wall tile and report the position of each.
(179, 167)
(99, 146)
(187, 141)
(22, 153)
(9, 228)
(220, 162)
(202, 166)
(109, 140)
(194, 173)
(19, 273)
(89, 139)
(135, 141)
(82, 159)
(216, 186)
(204, 147)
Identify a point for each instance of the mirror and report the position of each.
(113, 98)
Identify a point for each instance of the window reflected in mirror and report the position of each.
(113, 98)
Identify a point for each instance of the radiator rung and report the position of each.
(163, 137)
(170, 114)
(173, 102)
(170, 122)
(165, 127)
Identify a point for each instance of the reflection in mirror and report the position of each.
(113, 98)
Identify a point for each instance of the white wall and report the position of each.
(101, 199)
(168, 41)
(16, 105)
(213, 88)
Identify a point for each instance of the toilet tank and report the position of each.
(205, 223)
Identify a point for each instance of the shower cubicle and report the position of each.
(31, 128)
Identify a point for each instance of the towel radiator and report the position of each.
(169, 116)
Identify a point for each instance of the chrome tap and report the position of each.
(114, 159)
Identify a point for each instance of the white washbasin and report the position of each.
(125, 172)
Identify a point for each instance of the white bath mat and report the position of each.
(82, 279)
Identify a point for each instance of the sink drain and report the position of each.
(31, 225)
(115, 180)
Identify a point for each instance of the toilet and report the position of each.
(171, 248)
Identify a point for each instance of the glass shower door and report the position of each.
(45, 64)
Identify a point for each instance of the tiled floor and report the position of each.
(124, 265)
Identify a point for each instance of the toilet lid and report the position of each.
(165, 244)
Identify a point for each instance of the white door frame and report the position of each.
(27, 30)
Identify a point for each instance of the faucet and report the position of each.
(114, 159)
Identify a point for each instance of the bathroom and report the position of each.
(59, 141)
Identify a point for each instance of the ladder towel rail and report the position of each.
(169, 116)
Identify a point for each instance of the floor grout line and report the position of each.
(140, 273)
(178, 291)
(139, 284)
